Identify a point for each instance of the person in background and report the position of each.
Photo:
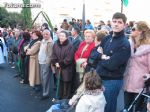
(32, 50)
(114, 53)
(44, 58)
(10, 43)
(55, 35)
(17, 40)
(24, 58)
(138, 64)
(64, 25)
(75, 39)
(88, 25)
(101, 24)
(44, 27)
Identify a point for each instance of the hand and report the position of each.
(84, 64)
(57, 65)
(100, 50)
(105, 57)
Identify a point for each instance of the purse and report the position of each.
(80, 69)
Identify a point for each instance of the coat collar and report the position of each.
(64, 43)
(93, 92)
(141, 50)
(48, 41)
(117, 34)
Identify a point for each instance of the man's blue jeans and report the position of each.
(112, 89)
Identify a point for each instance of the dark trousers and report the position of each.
(26, 69)
(129, 98)
(65, 90)
(75, 82)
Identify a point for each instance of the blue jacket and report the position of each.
(118, 48)
(75, 42)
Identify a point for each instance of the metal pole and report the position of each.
(83, 15)
(121, 6)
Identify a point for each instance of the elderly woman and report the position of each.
(84, 51)
(62, 60)
(32, 51)
(139, 63)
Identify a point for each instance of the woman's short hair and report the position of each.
(39, 34)
(90, 31)
(92, 81)
(26, 35)
(100, 35)
(65, 32)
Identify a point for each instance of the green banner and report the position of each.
(125, 2)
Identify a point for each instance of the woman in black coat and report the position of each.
(62, 59)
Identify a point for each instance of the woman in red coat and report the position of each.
(83, 52)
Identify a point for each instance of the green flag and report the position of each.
(125, 2)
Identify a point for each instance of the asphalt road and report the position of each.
(16, 97)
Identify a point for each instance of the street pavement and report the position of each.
(16, 97)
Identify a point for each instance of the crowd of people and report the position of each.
(95, 65)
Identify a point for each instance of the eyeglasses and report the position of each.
(133, 29)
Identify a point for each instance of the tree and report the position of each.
(26, 13)
(16, 20)
(10, 19)
(3, 17)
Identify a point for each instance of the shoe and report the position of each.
(10, 62)
(37, 88)
(44, 97)
(13, 67)
(16, 76)
(26, 82)
(22, 81)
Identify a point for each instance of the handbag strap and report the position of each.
(84, 48)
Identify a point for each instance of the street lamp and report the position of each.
(83, 15)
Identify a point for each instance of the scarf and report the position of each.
(32, 42)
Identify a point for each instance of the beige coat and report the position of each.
(34, 73)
